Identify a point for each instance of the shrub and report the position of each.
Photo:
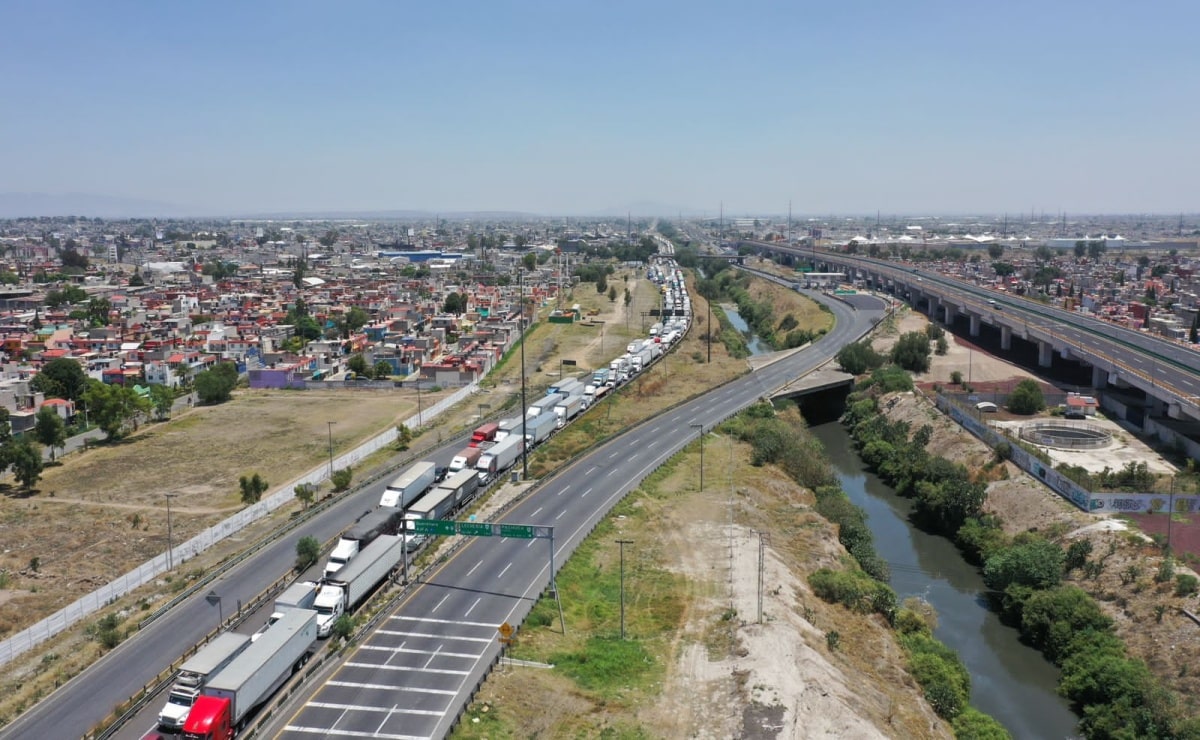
(942, 676)
(973, 724)
(1036, 563)
(341, 479)
(1026, 398)
(1186, 584)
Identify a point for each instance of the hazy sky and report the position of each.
(573, 106)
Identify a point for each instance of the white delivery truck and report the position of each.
(194, 673)
(409, 485)
(344, 591)
(567, 409)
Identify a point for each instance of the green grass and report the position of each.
(608, 666)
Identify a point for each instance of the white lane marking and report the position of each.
(433, 635)
(611, 472)
(563, 490)
(651, 443)
(367, 708)
(431, 657)
(585, 493)
(491, 627)
(469, 572)
(503, 571)
(560, 515)
(405, 668)
(539, 511)
(386, 717)
(389, 687)
(443, 601)
(413, 651)
(633, 457)
(530, 543)
(593, 469)
(326, 731)
(473, 606)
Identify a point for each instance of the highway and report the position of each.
(1162, 368)
(89, 697)
(413, 675)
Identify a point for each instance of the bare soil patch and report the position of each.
(727, 674)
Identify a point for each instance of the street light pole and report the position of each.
(622, 544)
(700, 427)
(1170, 513)
(329, 427)
(170, 540)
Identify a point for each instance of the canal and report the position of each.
(1009, 680)
(756, 346)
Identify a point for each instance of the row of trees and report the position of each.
(783, 440)
(1114, 693)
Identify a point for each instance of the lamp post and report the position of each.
(700, 428)
(622, 544)
(1170, 512)
(170, 541)
(329, 427)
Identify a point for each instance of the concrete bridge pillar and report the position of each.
(934, 304)
(1005, 338)
(1045, 353)
(974, 325)
(951, 312)
(1099, 378)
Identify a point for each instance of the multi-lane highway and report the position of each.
(413, 675)
(1161, 368)
(81, 703)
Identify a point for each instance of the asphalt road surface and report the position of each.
(413, 675)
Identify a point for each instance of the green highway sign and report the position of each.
(845, 292)
(475, 529)
(517, 531)
(433, 526)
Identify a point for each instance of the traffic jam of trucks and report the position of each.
(217, 691)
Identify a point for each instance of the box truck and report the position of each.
(296, 596)
(409, 485)
(194, 673)
(484, 433)
(508, 427)
(463, 485)
(227, 701)
(569, 386)
(465, 459)
(544, 404)
(344, 591)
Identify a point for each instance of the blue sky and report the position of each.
(565, 107)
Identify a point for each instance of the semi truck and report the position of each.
(539, 430)
(500, 457)
(569, 386)
(409, 485)
(229, 699)
(600, 377)
(568, 409)
(351, 584)
(384, 520)
(296, 596)
(594, 393)
(641, 360)
(544, 404)
(484, 433)
(464, 486)
(465, 459)
(509, 427)
(436, 504)
(194, 673)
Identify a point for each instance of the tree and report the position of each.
(858, 358)
(612, 294)
(341, 479)
(404, 437)
(61, 378)
(356, 318)
(601, 283)
(1003, 269)
(343, 627)
(1036, 563)
(98, 311)
(1043, 254)
(26, 463)
(529, 261)
(455, 303)
(995, 251)
(253, 487)
(911, 352)
(49, 428)
(308, 549)
(382, 370)
(111, 406)
(358, 365)
(1026, 398)
(329, 238)
(1097, 248)
(305, 492)
(162, 399)
(629, 298)
(216, 385)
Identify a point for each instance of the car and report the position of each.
(439, 473)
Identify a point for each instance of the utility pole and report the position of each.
(700, 427)
(524, 449)
(170, 543)
(329, 426)
(622, 544)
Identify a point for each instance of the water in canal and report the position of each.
(752, 342)
(1009, 680)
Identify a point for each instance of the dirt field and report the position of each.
(1126, 588)
(725, 677)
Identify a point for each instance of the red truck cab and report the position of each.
(485, 433)
(209, 720)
